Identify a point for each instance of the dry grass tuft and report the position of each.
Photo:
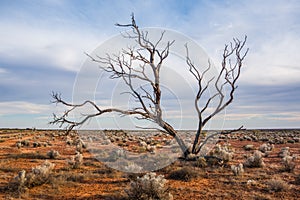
(256, 160)
(38, 176)
(277, 185)
(150, 186)
(183, 174)
(52, 154)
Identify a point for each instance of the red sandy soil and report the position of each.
(93, 180)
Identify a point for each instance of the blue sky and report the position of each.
(43, 44)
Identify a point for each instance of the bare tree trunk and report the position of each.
(149, 56)
(227, 77)
(174, 133)
(196, 140)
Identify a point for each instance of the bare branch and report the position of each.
(139, 66)
(227, 76)
(63, 118)
(235, 49)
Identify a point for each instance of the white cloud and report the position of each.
(3, 71)
(273, 37)
(62, 48)
(276, 63)
(272, 28)
(22, 107)
(286, 116)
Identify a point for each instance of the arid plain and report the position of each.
(72, 172)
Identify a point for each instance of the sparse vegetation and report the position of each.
(249, 147)
(201, 162)
(289, 163)
(297, 180)
(76, 161)
(53, 154)
(149, 187)
(25, 143)
(266, 147)
(254, 183)
(183, 174)
(36, 144)
(255, 160)
(36, 155)
(225, 152)
(277, 185)
(133, 167)
(285, 151)
(237, 170)
(38, 176)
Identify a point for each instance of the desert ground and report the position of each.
(72, 172)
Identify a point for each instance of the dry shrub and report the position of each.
(237, 170)
(201, 162)
(213, 161)
(76, 161)
(285, 151)
(25, 143)
(224, 152)
(18, 145)
(18, 184)
(261, 197)
(74, 177)
(36, 155)
(38, 176)
(256, 160)
(183, 174)
(133, 168)
(52, 154)
(277, 185)
(289, 163)
(248, 147)
(149, 187)
(297, 181)
(266, 147)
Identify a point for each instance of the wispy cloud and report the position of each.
(3, 71)
(43, 44)
(273, 37)
(61, 48)
(21, 107)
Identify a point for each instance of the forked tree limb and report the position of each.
(148, 57)
(228, 76)
(120, 66)
(72, 124)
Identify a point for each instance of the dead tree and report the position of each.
(151, 58)
(227, 77)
